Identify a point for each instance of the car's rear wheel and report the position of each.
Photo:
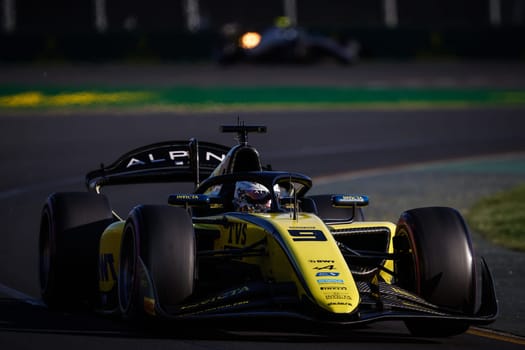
(70, 228)
(438, 265)
(160, 239)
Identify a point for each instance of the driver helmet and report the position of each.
(251, 197)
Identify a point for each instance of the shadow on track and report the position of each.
(18, 316)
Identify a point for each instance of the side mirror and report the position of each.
(349, 201)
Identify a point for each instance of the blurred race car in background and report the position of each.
(250, 242)
(282, 43)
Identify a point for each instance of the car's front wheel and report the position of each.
(161, 240)
(438, 265)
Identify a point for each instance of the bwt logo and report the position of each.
(178, 157)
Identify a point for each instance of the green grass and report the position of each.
(500, 218)
(262, 97)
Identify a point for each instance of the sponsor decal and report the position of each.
(337, 296)
(347, 200)
(187, 196)
(334, 288)
(237, 233)
(221, 307)
(176, 157)
(340, 303)
(321, 261)
(327, 274)
(326, 267)
(226, 295)
(326, 280)
(352, 198)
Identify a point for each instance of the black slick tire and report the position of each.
(70, 228)
(160, 239)
(439, 266)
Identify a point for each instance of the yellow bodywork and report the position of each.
(109, 256)
(319, 262)
(300, 250)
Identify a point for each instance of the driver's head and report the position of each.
(251, 197)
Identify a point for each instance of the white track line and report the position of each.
(18, 295)
(352, 175)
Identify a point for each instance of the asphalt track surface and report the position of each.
(42, 153)
(474, 74)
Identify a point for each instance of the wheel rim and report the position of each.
(407, 268)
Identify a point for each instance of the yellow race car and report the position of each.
(249, 241)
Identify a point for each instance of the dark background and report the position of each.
(157, 30)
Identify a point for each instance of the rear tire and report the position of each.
(440, 267)
(162, 238)
(70, 228)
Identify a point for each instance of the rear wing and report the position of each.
(170, 161)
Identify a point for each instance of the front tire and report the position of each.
(162, 239)
(439, 266)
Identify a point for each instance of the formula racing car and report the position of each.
(249, 241)
(282, 43)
